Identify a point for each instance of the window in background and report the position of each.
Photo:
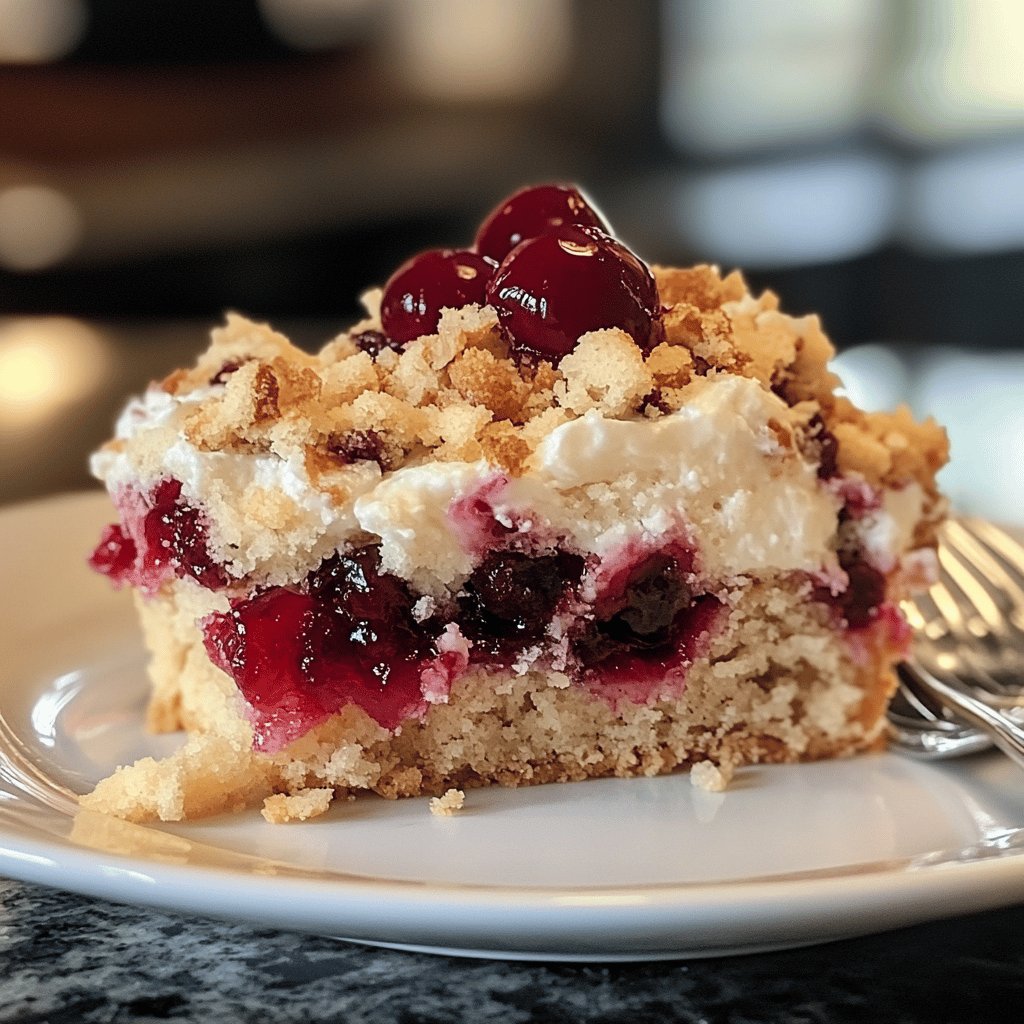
(869, 156)
(740, 76)
(958, 72)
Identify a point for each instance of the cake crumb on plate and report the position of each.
(445, 806)
(711, 777)
(282, 808)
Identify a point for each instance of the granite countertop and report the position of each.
(65, 958)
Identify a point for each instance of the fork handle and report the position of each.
(1005, 733)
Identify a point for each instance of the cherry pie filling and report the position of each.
(348, 634)
(160, 535)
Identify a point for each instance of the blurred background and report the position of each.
(161, 162)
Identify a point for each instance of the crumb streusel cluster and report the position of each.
(458, 394)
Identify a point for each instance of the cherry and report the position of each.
(374, 342)
(160, 535)
(551, 289)
(642, 612)
(358, 445)
(827, 447)
(860, 602)
(175, 531)
(532, 212)
(513, 596)
(114, 555)
(422, 286)
(347, 637)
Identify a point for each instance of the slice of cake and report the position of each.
(546, 514)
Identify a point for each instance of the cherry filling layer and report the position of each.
(349, 634)
(346, 636)
(858, 605)
(648, 626)
(160, 536)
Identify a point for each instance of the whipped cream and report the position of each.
(265, 517)
(888, 531)
(714, 473)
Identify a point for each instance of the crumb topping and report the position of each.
(459, 395)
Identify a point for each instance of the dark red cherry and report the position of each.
(551, 289)
(421, 287)
(532, 212)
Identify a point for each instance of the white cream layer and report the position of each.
(714, 471)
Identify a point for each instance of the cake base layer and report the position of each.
(778, 683)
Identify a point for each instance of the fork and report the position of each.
(964, 689)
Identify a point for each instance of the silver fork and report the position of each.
(964, 688)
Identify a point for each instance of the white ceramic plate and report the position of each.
(614, 869)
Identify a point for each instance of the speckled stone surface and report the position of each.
(65, 958)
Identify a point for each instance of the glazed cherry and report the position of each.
(532, 212)
(417, 292)
(551, 289)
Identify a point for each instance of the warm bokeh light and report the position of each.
(960, 73)
(739, 75)
(35, 31)
(481, 49)
(45, 364)
(790, 213)
(39, 227)
(316, 24)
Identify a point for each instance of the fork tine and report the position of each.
(953, 641)
(942, 613)
(963, 586)
(1000, 542)
(996, 559)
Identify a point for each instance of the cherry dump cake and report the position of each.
(545, 514)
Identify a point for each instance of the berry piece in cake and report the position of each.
(175, 531)
(114, 555)
(424, 285)
(865, 593)
(512, 596)
(300, 657)
(552, 289)
(374, 342)
(638, 611)
(532, 212)
(647, 629)
(162, 535)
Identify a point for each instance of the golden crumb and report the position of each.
(671, 366)
(482, 379)
(605, 371)
(282, 808)
(711, 777)
(702, 286)
(448, 803)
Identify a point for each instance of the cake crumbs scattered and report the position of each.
(445, 806)
(711, 777)
(282, 808)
